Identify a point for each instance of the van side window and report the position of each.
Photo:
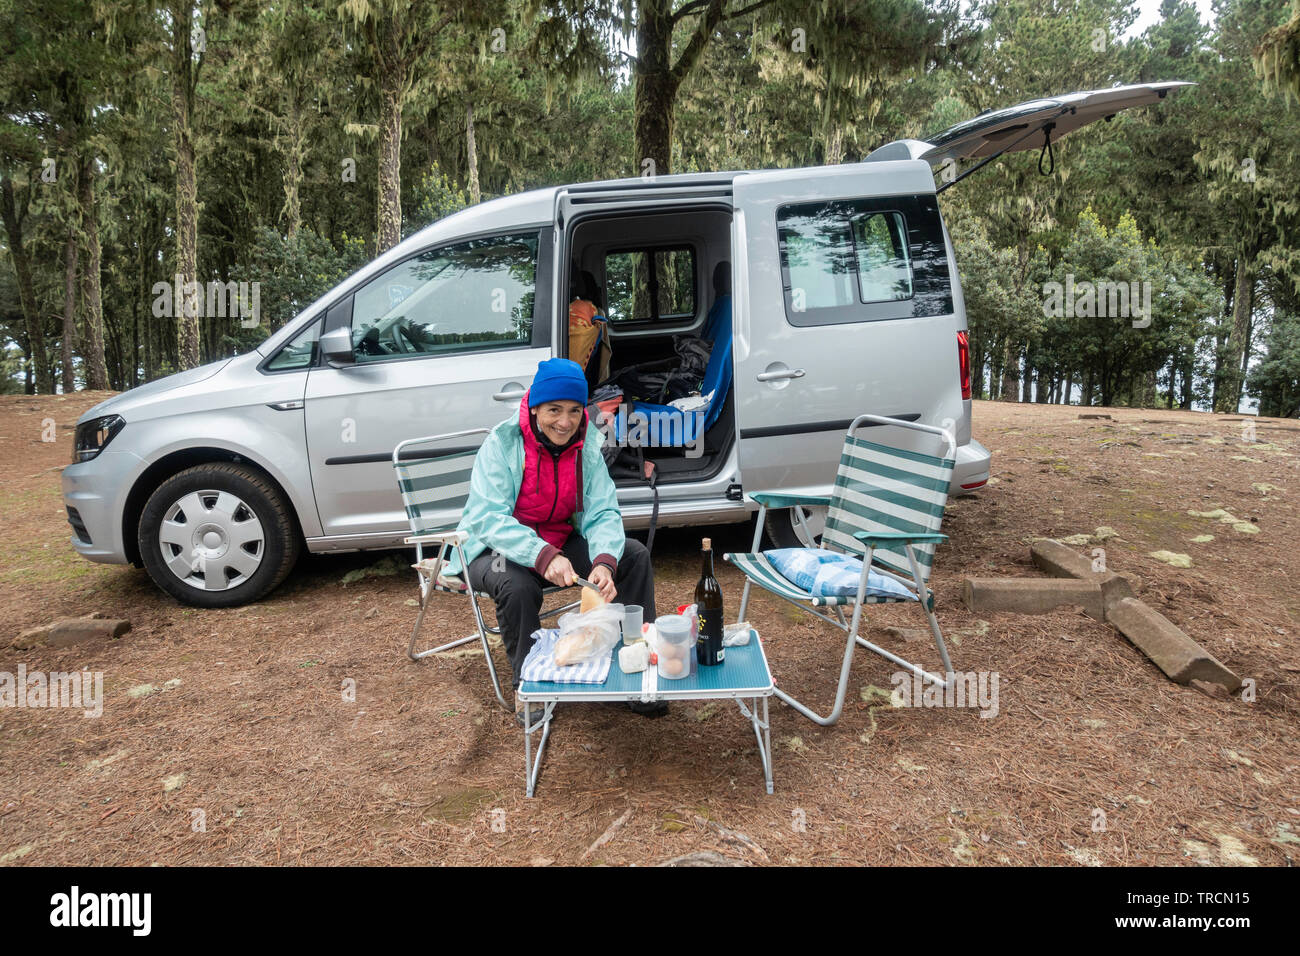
(466, 297)
(884, 261)
(650, 285)
(298, 353)
(860, 260)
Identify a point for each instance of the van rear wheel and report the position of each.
(217, 535)
(785, 531)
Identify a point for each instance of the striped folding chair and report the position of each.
(886, 508)
(434, 489)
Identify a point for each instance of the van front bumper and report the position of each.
(95, 492)
(971, 472)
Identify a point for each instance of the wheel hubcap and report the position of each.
(211, 540)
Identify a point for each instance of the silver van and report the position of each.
(845, 300)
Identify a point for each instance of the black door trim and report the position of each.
(774, 431)
(410, 454)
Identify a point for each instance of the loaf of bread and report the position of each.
(578, 645)
(590, 599)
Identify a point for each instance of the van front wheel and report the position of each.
(785, 531)
(217, 535)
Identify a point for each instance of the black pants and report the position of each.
(517, 591)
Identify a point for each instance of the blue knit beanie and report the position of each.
(558, 379)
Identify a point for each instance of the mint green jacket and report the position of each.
(494, 486)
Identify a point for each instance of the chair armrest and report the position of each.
(771, 499)
(884, 537)
(439, 536)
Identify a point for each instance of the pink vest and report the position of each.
(551, 491)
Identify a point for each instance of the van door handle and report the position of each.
(511, 392)
(780, 374)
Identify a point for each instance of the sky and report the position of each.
(1149, 13)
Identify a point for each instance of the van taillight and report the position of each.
(963, 362)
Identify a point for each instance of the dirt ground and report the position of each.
(246, 750)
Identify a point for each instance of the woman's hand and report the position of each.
(560, 572)
(601, 577)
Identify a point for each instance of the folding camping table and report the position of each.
(743, 677)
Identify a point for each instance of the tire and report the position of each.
(784, 531)
(219, 524)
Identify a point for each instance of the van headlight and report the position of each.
(92, 436)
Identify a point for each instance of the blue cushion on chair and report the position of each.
(830, 574)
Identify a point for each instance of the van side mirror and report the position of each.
(336, 346)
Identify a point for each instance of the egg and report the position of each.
(671, 666)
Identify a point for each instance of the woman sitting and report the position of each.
(542, 508)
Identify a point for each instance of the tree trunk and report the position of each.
(1245, 352)
(92, 353)
(471, 156)
(1010, 372)
(294, 157)
(13, 217)
(1067, 394)
(834, 150)
(146, 274)
(389, 232)
(135, 344)
(1145, 389)
(187, 202)
(1229, 275)
(656, 89)
(1228, 394)
(69, 310)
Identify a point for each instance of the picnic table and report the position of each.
(743, 677)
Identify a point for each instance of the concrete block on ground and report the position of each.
(1114, 588)
(31, 638)
(1032, 595)
(74, 630)
(1061, 561)
(1169, 648)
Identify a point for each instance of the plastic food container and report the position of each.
(673, 646)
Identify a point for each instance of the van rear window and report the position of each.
(651, 285)
(859, 260)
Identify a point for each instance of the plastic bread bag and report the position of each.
(736, 635)
(588, 636)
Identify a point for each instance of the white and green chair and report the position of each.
(434, 489)
(885, 508)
